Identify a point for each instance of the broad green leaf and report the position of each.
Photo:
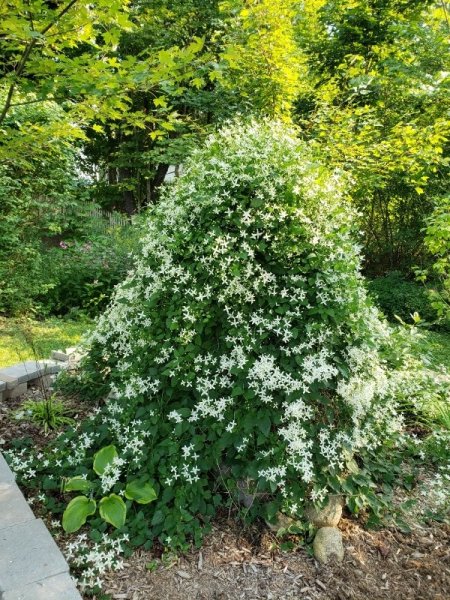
(76, 513)
(113, 510)
(77, 484)
(142, 493)
(103, 458)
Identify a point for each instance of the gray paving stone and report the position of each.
(18, 390)
(60, 355)
(9, 380)
(23, 372)
(28, 554)
(14, 508)
(29, 370)
(51, 367)
(6, 475)
(59, 587)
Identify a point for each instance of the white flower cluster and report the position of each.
(94, 559)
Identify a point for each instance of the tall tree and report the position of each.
(376, 106)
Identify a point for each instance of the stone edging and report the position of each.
(31, 564)
(14, 380)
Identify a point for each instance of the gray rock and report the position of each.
(329, 516)
(2, 386)
(328, 545)
(60, 356)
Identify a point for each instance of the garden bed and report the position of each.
(248, 563)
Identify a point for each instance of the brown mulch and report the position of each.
(248, 564)
(378, 565)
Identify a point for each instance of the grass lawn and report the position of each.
(27, 339)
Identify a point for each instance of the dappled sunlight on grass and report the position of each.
(26, 339)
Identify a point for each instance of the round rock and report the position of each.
(329, 516)
(328, 545)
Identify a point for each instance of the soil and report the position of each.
(248, 564)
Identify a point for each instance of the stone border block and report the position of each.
(8, 380)
(20, 389)
(14, 509)
(28, 553)
(60, 356)
(58, 587)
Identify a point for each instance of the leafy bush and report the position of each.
(241, 348)
(80, 276)
(398, 297)
(38, 193)
(437, 240)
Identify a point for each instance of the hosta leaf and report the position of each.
(76, 513)
(113, 510)
(77, 484)
(103, 458)
(142, 493)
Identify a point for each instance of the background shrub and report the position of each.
(80, 276)
(397, 296)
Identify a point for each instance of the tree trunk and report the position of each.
(128, 203)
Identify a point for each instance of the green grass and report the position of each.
(27, 339)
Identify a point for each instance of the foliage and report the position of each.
(420, 375)
(437, 240)
(50, 413)
(80, 276)
(241, 347)
(264, 63)
(398, 297)
(36, 196)
(378, 73)
(112, 508)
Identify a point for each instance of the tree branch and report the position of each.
(26, 53)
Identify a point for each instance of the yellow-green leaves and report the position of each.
(76, 513)
(77, 484)
(103, 458)
(113, 510)
(142, 493)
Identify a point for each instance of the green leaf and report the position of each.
(142, 493)
(113, 510)
(103, 458)
(77, 484)
(76, 513)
